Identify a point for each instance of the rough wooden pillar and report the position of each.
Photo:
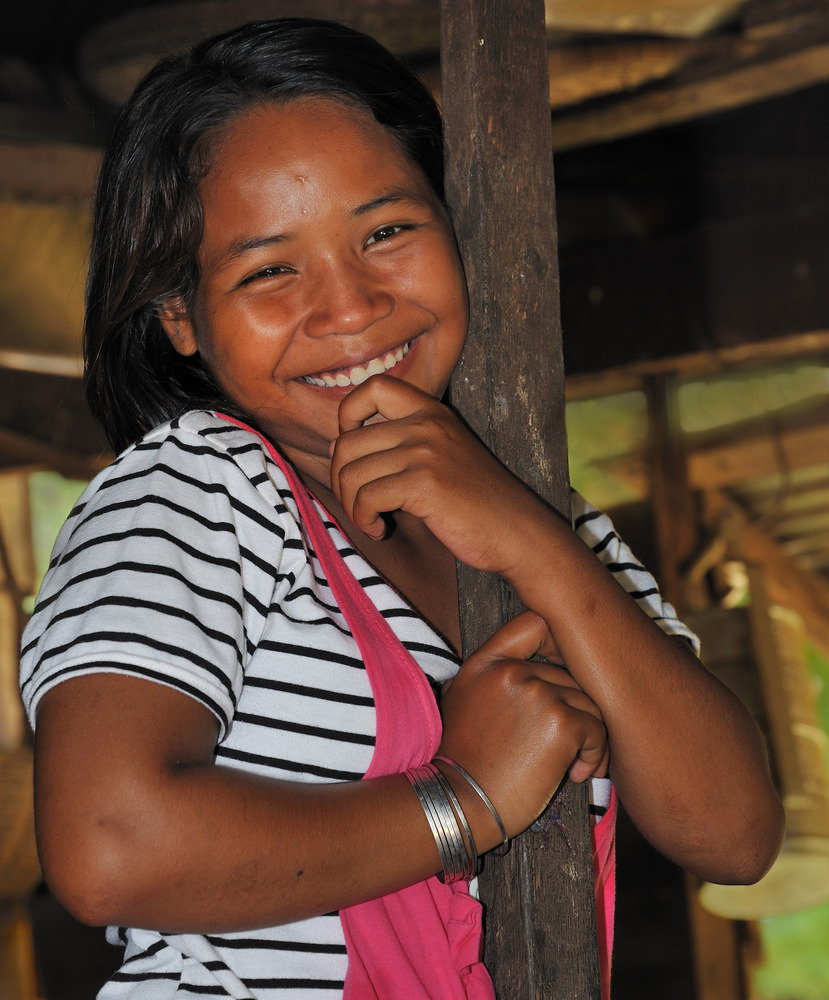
(541, 925)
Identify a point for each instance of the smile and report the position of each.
(359, 373)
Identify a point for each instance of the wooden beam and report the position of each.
(761, 453)
(605, 67)
(688, 18)
(723, 91)
(23, 450)
(114, 54)
(627, 378)
(47, 171)
(541, 928)
(674, 513)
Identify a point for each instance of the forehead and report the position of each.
(304, 140)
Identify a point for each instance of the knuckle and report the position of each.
(512, 674)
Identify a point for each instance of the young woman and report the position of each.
(238, 653)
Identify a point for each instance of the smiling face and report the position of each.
(325, 258)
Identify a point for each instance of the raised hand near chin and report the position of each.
(401, 450)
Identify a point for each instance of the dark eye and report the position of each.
(267, 272)
(386, 233)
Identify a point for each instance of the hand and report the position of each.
(519, 726)
(421, 458)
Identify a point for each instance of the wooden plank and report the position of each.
(114, 54)
(23, 450)
(16, 580)
(723, 91)
(718, 971)
(541, 928)
(44, 420)
(688, 18)
(716, 955)
(586, 71)
(765, 453)
(625, 378)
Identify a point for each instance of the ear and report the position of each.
(175, 319)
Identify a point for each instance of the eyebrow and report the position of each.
(238, 248)
(393, 197)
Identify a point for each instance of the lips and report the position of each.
(358, 373)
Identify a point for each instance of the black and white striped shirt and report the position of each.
(185, 563)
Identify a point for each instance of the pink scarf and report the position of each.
(423, 942)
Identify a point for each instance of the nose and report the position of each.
(346, 298)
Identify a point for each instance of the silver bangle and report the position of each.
(441, 822)
(471, 854)
(447, 822)
(481, 793)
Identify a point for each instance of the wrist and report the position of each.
(485, 822)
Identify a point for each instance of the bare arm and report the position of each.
(686, 757)
(137, 826)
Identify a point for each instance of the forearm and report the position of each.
(213, 849)
(686, 757)
(138, 827)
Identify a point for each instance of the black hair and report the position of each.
(147, 220)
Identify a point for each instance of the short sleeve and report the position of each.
(150, 576)
(597, 531)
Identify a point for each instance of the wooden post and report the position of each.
(716, 942)
(541, 924)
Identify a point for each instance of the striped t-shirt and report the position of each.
(185, 563)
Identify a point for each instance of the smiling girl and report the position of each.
(257, 741)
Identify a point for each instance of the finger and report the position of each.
(592, 759)
(381, 395)
(521, 638)
(373, 480)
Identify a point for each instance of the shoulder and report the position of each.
(167, 565)
(198, 467)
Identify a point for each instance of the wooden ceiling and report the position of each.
(692, 159)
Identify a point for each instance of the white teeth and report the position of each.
(359, 373)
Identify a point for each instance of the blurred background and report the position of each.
(691, 142)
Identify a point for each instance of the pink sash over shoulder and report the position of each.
(423, 942)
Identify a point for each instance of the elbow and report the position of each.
(746, 850)
(763, 842)
(87, 888)
(88, 873)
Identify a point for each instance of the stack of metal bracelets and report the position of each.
(447, 820)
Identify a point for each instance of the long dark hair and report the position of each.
(147, 222)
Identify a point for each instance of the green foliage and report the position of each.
(51, 498)
(796, 950)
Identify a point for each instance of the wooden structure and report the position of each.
(688, 244)
(509, 385)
